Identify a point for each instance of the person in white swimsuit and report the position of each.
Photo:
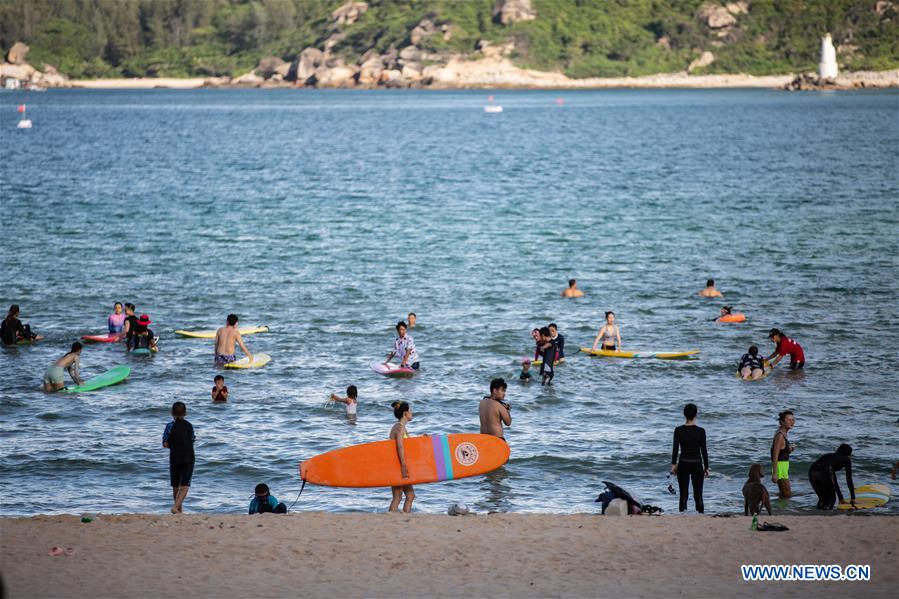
(609, 334)
(351, 401)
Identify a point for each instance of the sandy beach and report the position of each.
(380, 555)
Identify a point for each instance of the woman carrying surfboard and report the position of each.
(609, 334)
(403, 412)
(404, 347)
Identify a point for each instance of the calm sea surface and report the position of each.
(329, 215)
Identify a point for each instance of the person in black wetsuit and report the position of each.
(12, 330)
(823, 476)
(179, 438)
(559, 340)
(548, 350)
(694, 458)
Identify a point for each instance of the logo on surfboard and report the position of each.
(466, 454)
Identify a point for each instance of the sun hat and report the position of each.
(144, 320)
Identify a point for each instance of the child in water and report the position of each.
(116, 321)
(403, 413)
(525, 376)
(350, 400)
(752, 366)
(219, 390)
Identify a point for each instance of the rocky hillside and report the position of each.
(396, 43)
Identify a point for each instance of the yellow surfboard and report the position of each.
(259, 360)
(211, 334)
(661, 355)
(868, 496)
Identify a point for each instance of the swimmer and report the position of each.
(822, 474)
(116, 321)
(783, 346)
(781, 448)
(572, 290)
(755, 495)
(404, 347)
(403, 413)
(219, 390)
(494, 411)
(225, 338)
(559, 340)
(12, 330)
(53, 379)
(609, 334)
(525, 375)
(351, 399)
(548, 351)
(710, 290)
(751, 365)
(724, 311)
(410, 319)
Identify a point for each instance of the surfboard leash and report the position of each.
(303, 486)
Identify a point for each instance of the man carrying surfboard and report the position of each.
(494, 411)
(225, 338)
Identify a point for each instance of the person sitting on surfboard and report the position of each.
(53, 379)
(494, 411)
(572, 290)
(783, 346)
(608, 334)
(559, 340)
(403, 413)
(822, 474)
(351, 401)
(751, 364)
(404, 347)
(710, 290)
(12, 330)
(225, 338)
(142, 336)
(116, 321)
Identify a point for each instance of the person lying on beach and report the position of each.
(219, 390)
(142, 336)
(351, 400)
(404, 347)
(755, 495)
(572, 290)
(710, 290)
(225, 339)
(559, 340)
(494, 411)
(525, 375)
(53, 379)
(116, 321)
(403, 413)
(264, 502)
(822, 474)
(608, 334)
(783, 346)
(178, 437)
(12, 330)
(751, 364)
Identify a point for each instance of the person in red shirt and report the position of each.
(783, 346)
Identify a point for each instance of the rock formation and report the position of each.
(348, 13)
(704, 60)
(513, 11)
(17, 53)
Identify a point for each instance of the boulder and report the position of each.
(332, 41)
(22, 72)
(348, 13)
(715, 16)
(422, 30)
(250, 79)
(705, 59)
(738, 8)
(410, 54)
(343, 76)
(305, 65)
(17, 53)
(411, 72)
(270, 65)
(370, 71)
(51, 77)
(513, 11)
(391, 78)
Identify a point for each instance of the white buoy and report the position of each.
(493, 108)
(827, 68)
(24, 124)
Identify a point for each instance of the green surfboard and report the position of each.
(114, 375)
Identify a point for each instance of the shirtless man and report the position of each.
(710, 290)
(411, 320)
(494, 411)
(572, 290)
(225, 338)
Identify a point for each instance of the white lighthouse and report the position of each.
(827, 68)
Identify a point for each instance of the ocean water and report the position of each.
(329, 215)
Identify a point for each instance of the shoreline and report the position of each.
(375, 555)
(491, 74)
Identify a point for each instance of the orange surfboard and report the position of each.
(429, 459)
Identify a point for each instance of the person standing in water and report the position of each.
(710, 290)
(116, 321)
(783, 346)
(403, 413)
(558, 339)
(494, 411)
(53, 379)
(351, 401)
(130, 321)
(572, 290)
(404, 347)
(411, 319)
(822, 474)
(781, 448)
(225, 338)
(694, 458)
(609, 334)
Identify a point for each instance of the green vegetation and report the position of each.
(582, 38)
